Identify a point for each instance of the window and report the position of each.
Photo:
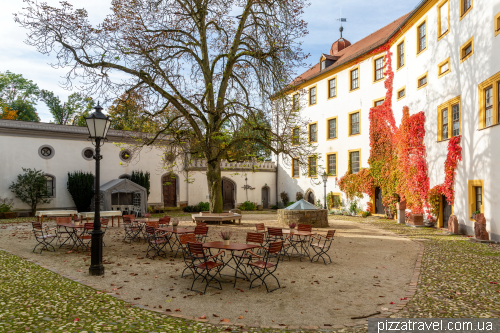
(312, 96)
(444, 68)
(354, 161)
(465, 7)
(296, 102)
(46, 152)
(401, 93)
(354, 123)
(449, 119)
(489, 101)
(323, 64)
(443, 26)
(422, 37)
(50, 186)
(88, 153)
(467, 50)
(444, 115)
(401, 54)
(336, 200)
(313, 132)
(332, 88)
(476, 196)
(497, 24)
(355, 79)
(378, 102)
(489, 106)
(379, 69)
(422, 81)
(332, 128)
(125, 155)
(296, 136)
(332, 164)
(295, 168)
(313, 168)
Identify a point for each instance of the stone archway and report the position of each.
(310, 197)
(228, 193)
(170, 189)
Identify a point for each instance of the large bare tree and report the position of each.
(214, 66)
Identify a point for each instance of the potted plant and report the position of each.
(292, 226)
(473, 217)
(226, 237)
(147, 216)
(175, 223)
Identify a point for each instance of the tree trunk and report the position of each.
(214, 180)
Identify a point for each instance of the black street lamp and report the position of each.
(98, 126)
(325, 179)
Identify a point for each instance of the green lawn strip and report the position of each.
(17, 220)
(35, 299)
(458, 278)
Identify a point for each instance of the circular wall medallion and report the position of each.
(46, 152)
(88, 153)
(125, 155)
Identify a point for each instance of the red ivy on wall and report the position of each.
(450, 167)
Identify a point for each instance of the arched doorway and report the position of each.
(265, 197)
(379, 206)
(446, 211)
(228, 194)
(169, 189)
(309, 197)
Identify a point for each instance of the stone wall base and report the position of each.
(317, 218)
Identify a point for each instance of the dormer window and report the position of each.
(323, 64)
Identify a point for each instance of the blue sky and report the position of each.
(363, 18)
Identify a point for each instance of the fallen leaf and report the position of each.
(202, 317)
(76, 319)
(241, 317)
(225, 320)
(177, 310)
(215, 315)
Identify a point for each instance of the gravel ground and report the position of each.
(371, 268)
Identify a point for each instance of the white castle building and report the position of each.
(445, 60)
(60, 149)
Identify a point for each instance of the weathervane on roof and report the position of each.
(341, 19)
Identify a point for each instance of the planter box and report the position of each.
(10, 215)
(416, 219)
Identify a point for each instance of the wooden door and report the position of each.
(265, 197)
(446, 212)
(227, 195)
(379, 206)
(169, 183)
(310, 198)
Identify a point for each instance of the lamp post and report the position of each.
(98, 126)
(325, 179)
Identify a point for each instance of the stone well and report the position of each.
(304, 213)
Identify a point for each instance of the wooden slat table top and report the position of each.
(231, 246)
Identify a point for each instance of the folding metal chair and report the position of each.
(164, 221)
(43, 236)
(201, 233)
(85, 237)
(189, 260)
(323, 246)
(252, 238)
(206, 265)
(156, 242)
(62, 233)
(264, 267)
(276, 235)
(132, 230)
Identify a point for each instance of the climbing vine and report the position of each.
(450, 167)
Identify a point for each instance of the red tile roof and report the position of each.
(363, 46)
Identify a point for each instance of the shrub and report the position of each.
(31, 188)
(200, 207)
(365, 214)
(247, 205)
(299, 196)
(290, 203)
(204, 206)
(274, 207)
(318, 204)
(6, 205)
(141, 178)
(81, 188)
(284, 198)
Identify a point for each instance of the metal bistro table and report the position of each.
(302, 235)
(232, 247)
(72, 230)
(178, 231)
